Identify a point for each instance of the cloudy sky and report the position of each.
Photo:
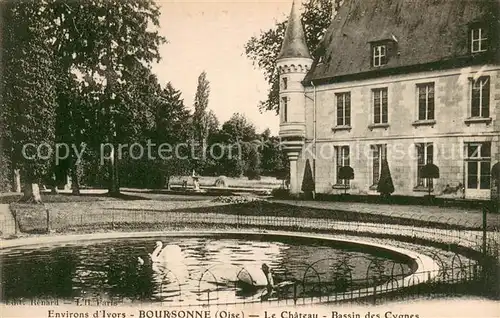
(209, 35)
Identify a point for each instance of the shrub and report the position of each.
(346, 173)
(308, 181)
(429, 171)
(280, 193)
(385, 185)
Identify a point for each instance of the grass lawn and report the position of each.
(70, 213)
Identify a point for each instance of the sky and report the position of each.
(209, 35)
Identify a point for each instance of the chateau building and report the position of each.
(409, 82)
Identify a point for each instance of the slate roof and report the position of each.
(425, 31)
(294, 43)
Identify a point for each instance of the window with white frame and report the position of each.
(478, 165)
(343, 109)
(425, 155)
(379, 55)
(284, 109)
(379, 154)
(342, 160)
(425, 101)
(380, 108)
(480, 97)
(479, 40)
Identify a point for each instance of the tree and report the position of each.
(29, 95)
(264, 49)
(200, 122)
(430, 171)
(253, 164)
(239, 128)
(73, 117)
(111, 43)
(239, 136)
(385, 185)
(211, 165)
(212, 124)
(346, 173)
(170, 127)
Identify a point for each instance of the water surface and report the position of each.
(110, 270)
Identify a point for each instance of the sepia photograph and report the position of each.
(250, 158)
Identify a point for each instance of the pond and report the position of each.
(110, 269)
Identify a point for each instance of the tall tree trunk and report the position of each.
(75, 176)
(32, 191)
(75, 180)
(114, 187)
(16, 181)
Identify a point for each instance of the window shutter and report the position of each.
(430, 106)
(376, 163)
(420, 162)
(390, 49)
(372, 55)
(475, 99)
(385, 110)
(421, 102)
(383, 60)
(346, 156)
(347, 119)
(430, 153)
(486, 41)
(337, 164)
(485, 103)
(340, 110)
(486, 150)
(376, 106)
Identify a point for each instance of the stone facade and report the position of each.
(411, 108)
(448, 134)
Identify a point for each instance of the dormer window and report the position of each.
(379, 55)
(478, 39)
(383, 49)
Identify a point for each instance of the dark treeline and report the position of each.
(79, 73)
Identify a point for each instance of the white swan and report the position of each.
(250, 276)
(169, 254)
(256, 276)
(169, 259)
(260, 278)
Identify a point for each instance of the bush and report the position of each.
(308, 181)
(253, 172)
(280, 193)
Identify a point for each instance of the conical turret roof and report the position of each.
(294, 44)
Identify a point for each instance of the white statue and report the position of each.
(196, 182)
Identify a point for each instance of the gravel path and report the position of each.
(451, 215)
